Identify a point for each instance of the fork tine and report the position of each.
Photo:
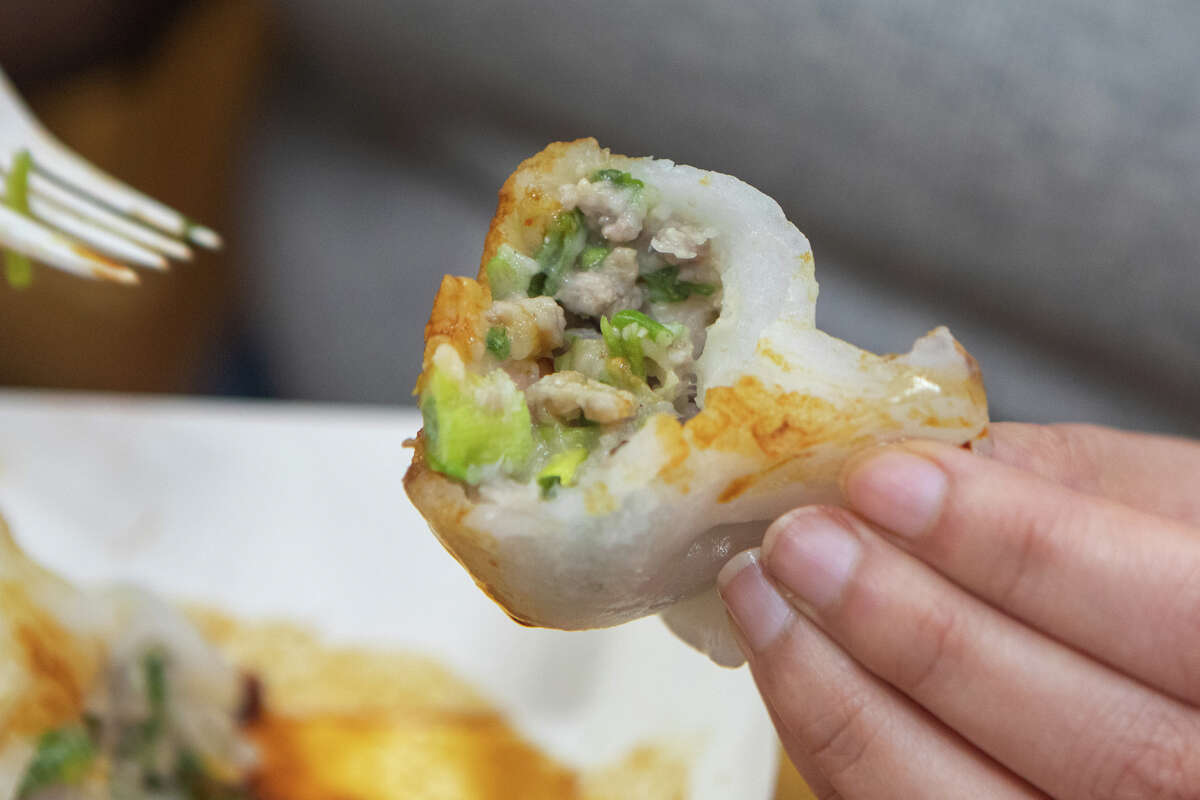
(56, 160)
(105, 241)
(28, 236)
(40, 186)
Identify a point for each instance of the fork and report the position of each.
(67, 214)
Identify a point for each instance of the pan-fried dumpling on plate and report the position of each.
(634, 387)
(110, 693)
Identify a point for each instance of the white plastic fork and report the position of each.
(81, 220)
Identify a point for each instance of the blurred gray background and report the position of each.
(1025, 172)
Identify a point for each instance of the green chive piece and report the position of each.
(151, 730)
(631, 341)
(62, 756)
(612, 339)
(565, 238)
(498, 343)
(560, 470)
(509, 272)
(537, 285)
(623, 319)
(665, 286)
(591, 257)
(154, 666)
(617, 178)
(625, 334)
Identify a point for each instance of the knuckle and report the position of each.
(1065, 453)
(1070, 454)
(840, 740)
(1024, 551)
(1187, 647)
(1164, 763)
(936, 647)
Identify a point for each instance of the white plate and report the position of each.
(297, 511)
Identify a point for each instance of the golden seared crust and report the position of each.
(675, 469)
(752, 419)
(50, 669)
(528, 197)
(775, 428)
(456, 319)
(526, 201)
(46, 670)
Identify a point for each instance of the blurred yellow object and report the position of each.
(168, 125)
(790, 785)
(357, 724)
(371, 725)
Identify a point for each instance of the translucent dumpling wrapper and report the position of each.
(754, 416)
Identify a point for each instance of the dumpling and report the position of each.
(635, 386)
(110, 694)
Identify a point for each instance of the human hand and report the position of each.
(1009, 626)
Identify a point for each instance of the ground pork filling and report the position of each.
(596, 331)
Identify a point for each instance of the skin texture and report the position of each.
(1020, 625)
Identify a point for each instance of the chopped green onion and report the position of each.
(474, 423)
(555, 436)
(565, 239)
(611, 338)
(665, 286)
(537, 285)
(623, 319)
(627, 333)
(623, 342)
(498, 343)
(18, 269)
(151, 730)
(617, 178)
(591, 256)
(631, 343)
(585, 356)
(509, 272)
(560, 470)
(62, 756)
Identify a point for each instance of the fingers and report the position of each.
(1116, 583)
(1068, 724)
(804, 763)
(1157, 474)
(850, 734)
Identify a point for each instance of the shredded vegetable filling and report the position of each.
(135, 749)
(592, 333)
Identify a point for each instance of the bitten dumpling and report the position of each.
(634, 387)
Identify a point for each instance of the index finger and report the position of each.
(1109, 580)
(1153, 473)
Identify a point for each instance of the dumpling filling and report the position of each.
(587, 337)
